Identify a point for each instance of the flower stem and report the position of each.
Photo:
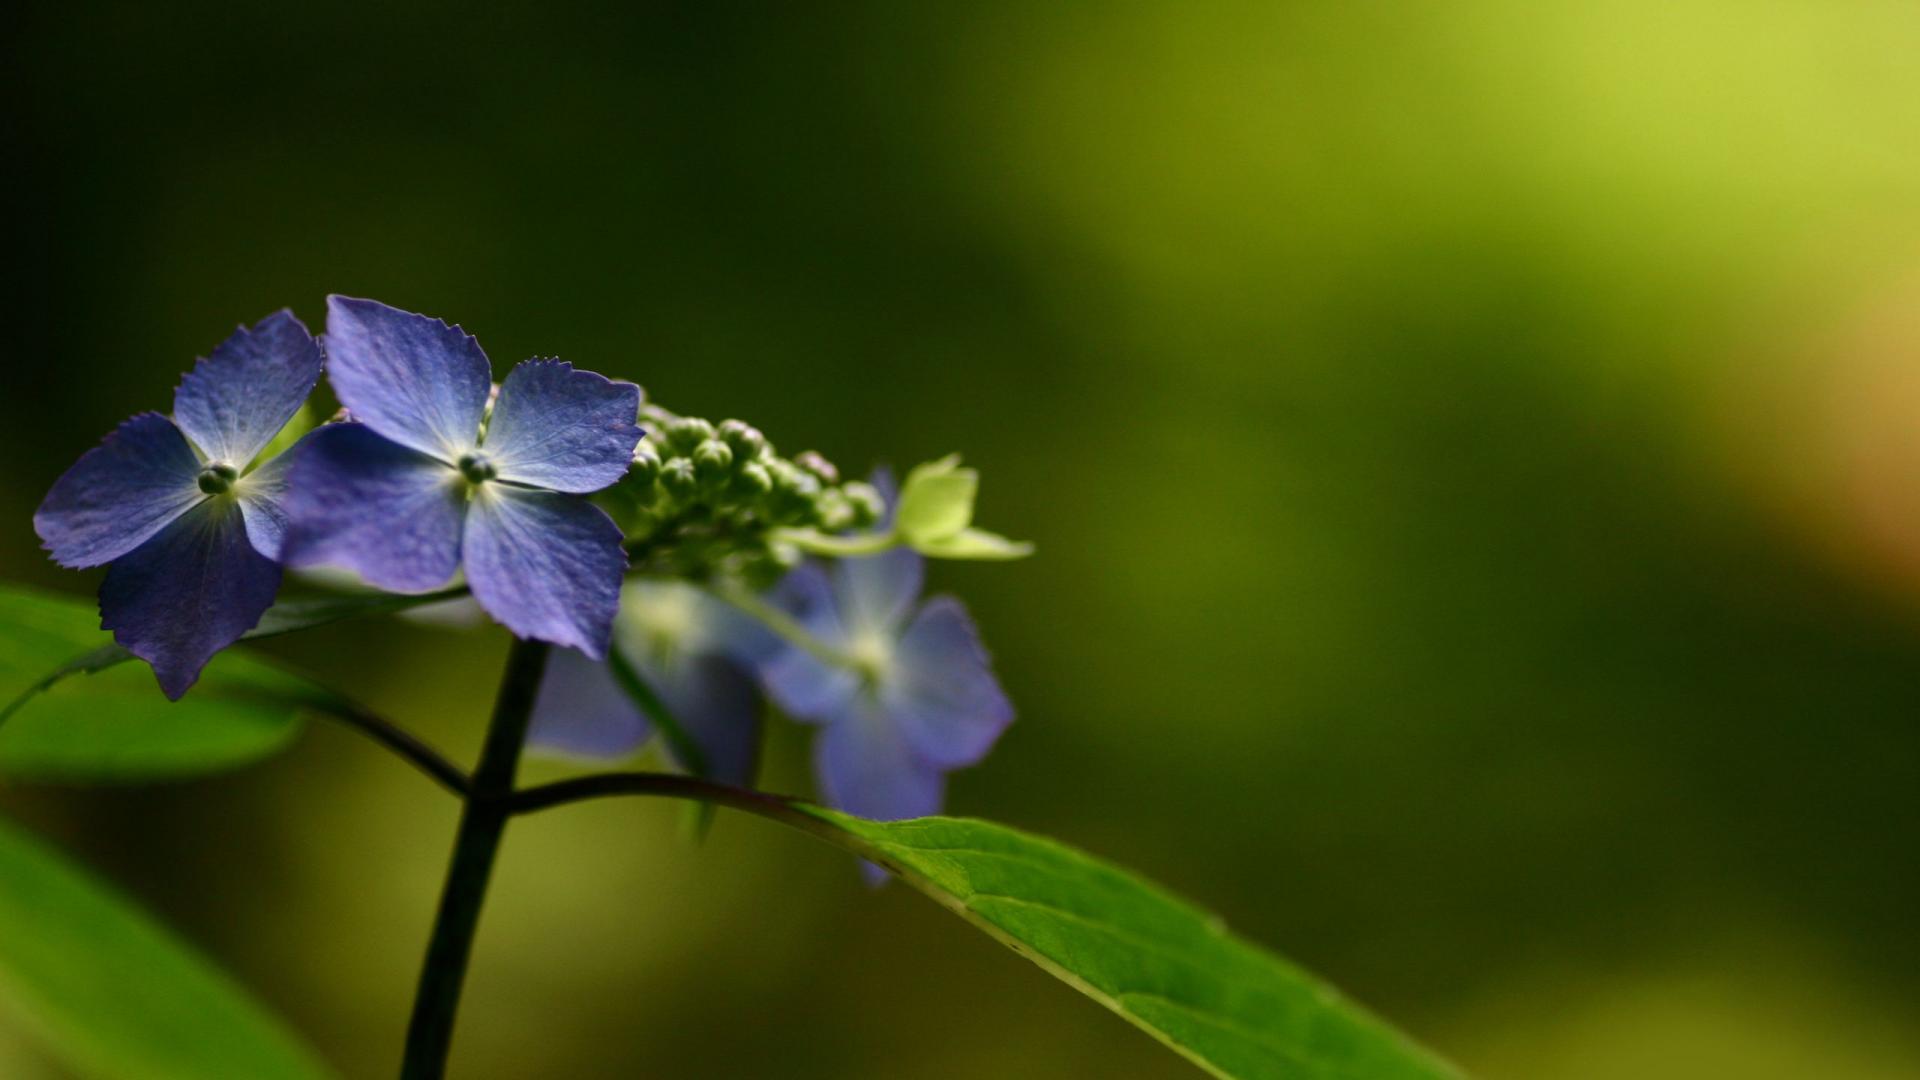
(815, 542)
(788, 628)
(482, 822)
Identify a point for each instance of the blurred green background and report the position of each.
(1474, 451)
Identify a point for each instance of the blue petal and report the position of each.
(414, 379)
(711, 625)
(263, 496)
(120, 493)
(566, 430)
(865, 767)
(717, 703)
(546, 565)
(389, 514)
(875, 591)
(581, 711)
(232, 403)
(188, 593)
(804, 686)
(941, 691)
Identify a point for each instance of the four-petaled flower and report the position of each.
(193, 533)
(909, 697)
(695, 652)
(425, 482)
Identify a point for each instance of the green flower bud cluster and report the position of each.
(705, 499)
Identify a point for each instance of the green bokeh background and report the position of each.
(1474, 451)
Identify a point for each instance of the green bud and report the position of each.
(745, 439)
(868, 506)
(646, 465)
(753, 479)
(677, 478)
(936, 501)
(712, 461)
(686, 433)
(763, 569)
(791, 501)
(832, 511)
(819, 466)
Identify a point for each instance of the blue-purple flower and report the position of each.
(426, 481)
(696, 653)
(191, 526)
(907, 696)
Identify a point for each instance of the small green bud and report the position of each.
(677, 478)
(832, 510)
(819, 466)
(791, 501)
(763, 569)
(868, 506)
(745, 439)
(753, 479)
(646, 465)
(712, 461)
(687, 432)
(218, 477)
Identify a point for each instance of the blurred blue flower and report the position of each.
(415, 490)
(697, 653)
(193, 536)
(909, 697)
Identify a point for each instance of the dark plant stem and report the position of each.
(482, 822)
(402, 742)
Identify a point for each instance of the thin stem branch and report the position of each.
(786, 811)
(402, 742)
(482, 823)
(815, 542)
(669, 785)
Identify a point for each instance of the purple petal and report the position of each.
(546, 565)
(865, 767)
(717, 704)
(232, 403)
(941, 690)
(562, 429)
(263, 496)
(804, 686)
(120, 493)
(417, 380)
(188, 593)
(875, 591)
(581, 711)
(389, 514)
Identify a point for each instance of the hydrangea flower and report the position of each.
(425, 482)
(694, 651)
(193, 534)
(913, 698)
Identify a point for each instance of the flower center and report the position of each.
(476, 468)
(218, 477)
(871, 653)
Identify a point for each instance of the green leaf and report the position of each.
(974, 544)
(936, 501)
(114, 724)
(1171, 969)
(115, 994)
